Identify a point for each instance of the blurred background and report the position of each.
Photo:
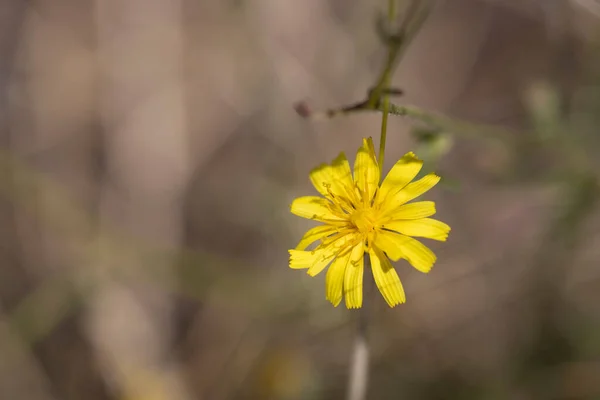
(149, 153)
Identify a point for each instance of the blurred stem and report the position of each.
(359, 365)
(430, 120)
(444, 123)
(413, 18)
(391, 9)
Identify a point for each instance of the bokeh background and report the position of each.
(150, 150)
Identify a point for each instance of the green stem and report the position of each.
(383, 136)
(386, 84)
(391, 9)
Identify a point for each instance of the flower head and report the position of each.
(359, 215)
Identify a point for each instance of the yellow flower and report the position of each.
(359, 216)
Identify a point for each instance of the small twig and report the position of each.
(414, 16)
(397, 43)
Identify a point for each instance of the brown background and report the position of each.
(150, 150)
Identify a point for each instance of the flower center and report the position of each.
(364, 220)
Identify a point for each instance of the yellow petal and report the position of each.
(353, 278)
(411, 191)
(334, 281)
(334, 180)
(315, 260)
(314, 234)
(316, 208)
(300, 259)
(366, 171)
(386, 278)
(341, 244)
(425, 227)
(416, 210)
(321, 178)
(400, 175)
(391, 243)
(418, 255)
(321, 262)
(342, 176)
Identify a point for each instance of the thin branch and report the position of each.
(416, 14)
(434, 121)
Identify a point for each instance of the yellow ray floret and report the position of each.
(362, 216)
